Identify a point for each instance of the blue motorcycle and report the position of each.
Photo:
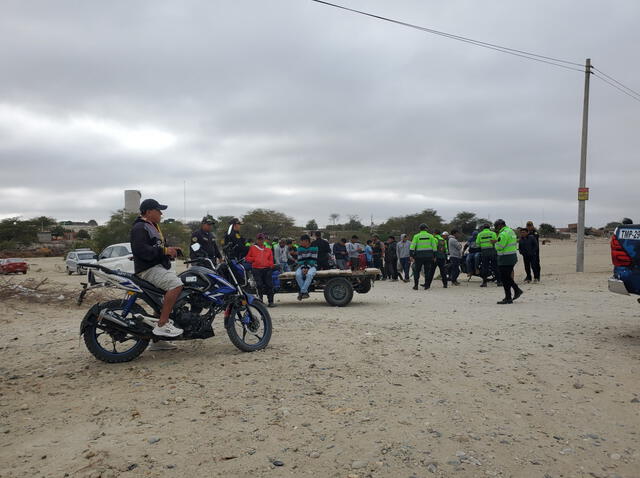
(120, 330)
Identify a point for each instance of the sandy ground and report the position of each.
(401, 383)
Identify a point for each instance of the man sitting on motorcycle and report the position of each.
(152, 262)
(307, 265)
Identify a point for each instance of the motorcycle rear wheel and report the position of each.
(110, 345)
(251, 327)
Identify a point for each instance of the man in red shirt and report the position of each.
(261, 259)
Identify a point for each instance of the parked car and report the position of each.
(118, 256)
(115, 256)
(13, 266)
(625, 256)
(75, 259)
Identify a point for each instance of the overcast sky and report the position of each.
(310, 110)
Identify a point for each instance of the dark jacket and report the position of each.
(236, 243)
(147, 246)
(528, 246)
(324, 249)
(391, 251)
(340, 251)
(208, 246)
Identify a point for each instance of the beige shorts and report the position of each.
(162, 278)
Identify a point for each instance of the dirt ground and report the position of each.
(400, 383)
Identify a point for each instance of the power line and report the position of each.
(601, 78)
(616, 81)
(511, 51)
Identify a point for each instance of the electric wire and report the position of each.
(601, 78)
(569, 65)
(616, 81)
(511, 51)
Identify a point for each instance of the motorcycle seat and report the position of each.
(148, 286)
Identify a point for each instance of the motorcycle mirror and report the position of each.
(195, 247)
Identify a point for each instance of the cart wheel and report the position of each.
(338, 292)
(363, 287)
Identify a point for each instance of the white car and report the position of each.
(76, 259)
(117, 256)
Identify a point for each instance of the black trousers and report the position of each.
(264, 283)
(535, 266)
(377, 262)
(507, 281)
(488, 265)
(454, 268)
(427, 264)
(392, 268)
(441, 263)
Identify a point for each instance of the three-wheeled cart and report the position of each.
(338, 285)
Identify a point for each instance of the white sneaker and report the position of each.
(161, 345)
(167, 330)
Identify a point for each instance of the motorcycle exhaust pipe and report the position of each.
(106, 314)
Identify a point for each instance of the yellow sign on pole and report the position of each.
(583, 194)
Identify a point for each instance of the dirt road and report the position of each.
(400, 383)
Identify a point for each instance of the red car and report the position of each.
(13, 266)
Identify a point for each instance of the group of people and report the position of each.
(490, 252)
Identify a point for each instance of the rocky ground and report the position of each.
(400, 383)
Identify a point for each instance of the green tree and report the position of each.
(311, 225)
(354, 223)
(546, 229)
(83, 234)
(333, 217)
(273, 223)
(465, 222)
(410, 224)
(58, 231)
(116, 230)
(13, 230)
(176, 234)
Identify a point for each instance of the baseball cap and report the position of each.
(260, 236)
(235, 220)
(150, 204)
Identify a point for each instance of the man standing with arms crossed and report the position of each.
(422, 250)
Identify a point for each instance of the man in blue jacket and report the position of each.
(152, 262)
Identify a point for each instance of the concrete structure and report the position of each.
(132, 201)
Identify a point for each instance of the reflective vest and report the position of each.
(484, 238)
(442, 247)
(507, 242)
(423, 244)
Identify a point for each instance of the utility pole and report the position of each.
(184, 202)
(583, 191)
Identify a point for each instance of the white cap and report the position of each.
(445, 233)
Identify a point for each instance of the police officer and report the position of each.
(441, 256)
(422, 253)
(204, 237)
(506, 246)
(234, 240)
(485, 240)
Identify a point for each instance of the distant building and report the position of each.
(132, 201)
(44, 237)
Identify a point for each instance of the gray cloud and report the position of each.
(309, 110)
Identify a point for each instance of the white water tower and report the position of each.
(132, 201)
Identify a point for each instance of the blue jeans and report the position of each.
(404, 262)
(305, 282)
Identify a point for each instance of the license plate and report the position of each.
(633, 234)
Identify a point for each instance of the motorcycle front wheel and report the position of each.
(111, 345)
(251, 327)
